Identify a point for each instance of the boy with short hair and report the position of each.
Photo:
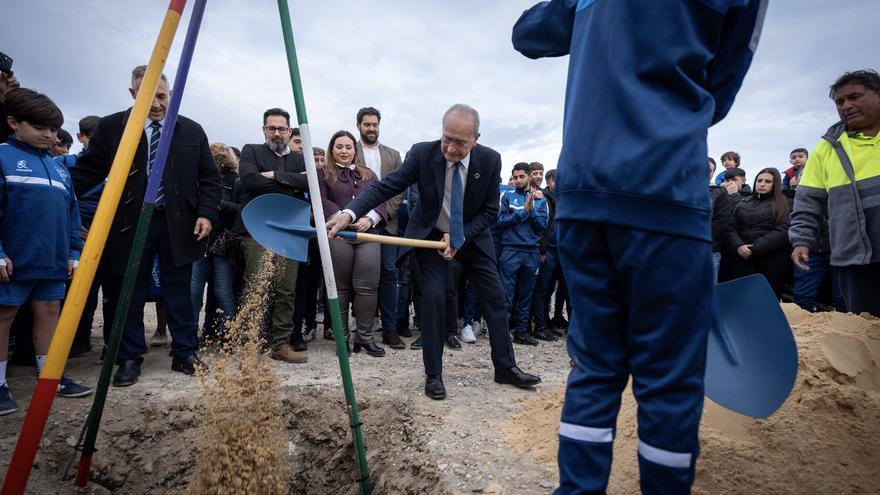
(522, 218)
(729, 160)
(39, 229)
(87, 126)
(797, 158)
(62, 143)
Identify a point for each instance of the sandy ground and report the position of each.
(414, 444)
(484, 438)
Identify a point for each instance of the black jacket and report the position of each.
(290, 177)
(548, 239)
(424, 165)
(722, 214)
(753, 223)
(191, 183)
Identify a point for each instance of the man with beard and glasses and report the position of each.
(383, 160)
(266, 168)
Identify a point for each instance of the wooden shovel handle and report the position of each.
(401, 241)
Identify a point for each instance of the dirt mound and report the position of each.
(822, 440)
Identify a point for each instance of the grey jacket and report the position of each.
(829, 187)
(390, 162)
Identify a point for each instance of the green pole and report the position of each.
(324, 248)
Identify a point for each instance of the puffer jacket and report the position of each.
(753, 223)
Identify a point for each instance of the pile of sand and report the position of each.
(824, 439)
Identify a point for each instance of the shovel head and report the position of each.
(280, 224)
(751, 361)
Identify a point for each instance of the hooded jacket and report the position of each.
(39, 218)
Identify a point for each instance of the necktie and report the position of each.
(456, 222)
(154, 145)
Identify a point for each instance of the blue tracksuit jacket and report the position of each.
(39, 219)
(521, 230)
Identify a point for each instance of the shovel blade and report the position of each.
(266, 218)
(751, 361)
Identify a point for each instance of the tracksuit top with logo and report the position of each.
(39, 219)
(521, 230)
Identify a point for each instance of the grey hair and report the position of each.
(461, 108)
(138, 73)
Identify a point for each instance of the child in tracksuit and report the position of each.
(40, 238)
(646, 80)
(522, 220)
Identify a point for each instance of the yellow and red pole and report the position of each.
(47, 385)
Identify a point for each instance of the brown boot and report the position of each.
(392, 340)
(285, 353)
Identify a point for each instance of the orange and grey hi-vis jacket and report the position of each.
(842, 179)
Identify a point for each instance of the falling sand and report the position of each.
(824, 439)
(242, 439)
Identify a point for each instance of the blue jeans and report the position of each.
(519, 270)
(806, 283)
(543, 288)
(219, 271)
(388, 287)
(473, 310)
(716, 263)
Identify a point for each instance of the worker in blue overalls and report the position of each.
(647, 78)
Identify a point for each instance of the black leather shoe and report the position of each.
(522, 337)
(516, 377)
(416, 344)
(127, 374)
(544, 334)
(328, 333)
(300, 347)
(453, 343)
(186, 365)
(371, 348)
(434, 387)
(559, 322)
(404, 331)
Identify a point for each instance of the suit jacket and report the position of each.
(390, 162)
(289, 169)
(191, 185)
(425, 166)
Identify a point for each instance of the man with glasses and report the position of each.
(458, 201)
(272, 167)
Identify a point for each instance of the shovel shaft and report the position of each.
(398, 241)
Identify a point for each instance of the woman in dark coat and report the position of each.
(356, 265)
(759, 232)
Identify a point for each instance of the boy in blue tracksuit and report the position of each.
(522, 219)
(39, 229)
(646, 80)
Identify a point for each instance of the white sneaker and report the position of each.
(467, 334)
(478, 329)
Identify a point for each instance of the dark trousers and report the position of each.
(481, 268)
(642, 308)
(859, 285)
(775, 266)
(308, 282)
(408, 291)
(452, 283)
(807, 282)
(544, 288)
(519, 271)
(388, 286)
(176, 285)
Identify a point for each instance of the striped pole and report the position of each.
(324, 248)
(47, 385)
(93, 422)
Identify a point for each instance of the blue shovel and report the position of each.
(281, 224)
(751, 361)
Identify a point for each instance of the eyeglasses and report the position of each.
(458, 143)
(272, 129)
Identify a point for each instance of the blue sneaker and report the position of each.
(67, 388)
(7, 403)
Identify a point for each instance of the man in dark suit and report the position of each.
(273, 167)
(383, 160)
(458, 201)
(187, 206)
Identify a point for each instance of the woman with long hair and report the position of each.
(355, 264)
(759, 232)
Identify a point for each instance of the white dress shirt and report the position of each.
(373, 159)
(442, 223)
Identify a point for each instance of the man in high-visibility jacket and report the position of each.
(842, 179)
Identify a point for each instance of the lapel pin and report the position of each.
(476, 175)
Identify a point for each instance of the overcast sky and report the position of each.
(412, 60)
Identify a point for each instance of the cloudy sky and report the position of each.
(411, 60)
